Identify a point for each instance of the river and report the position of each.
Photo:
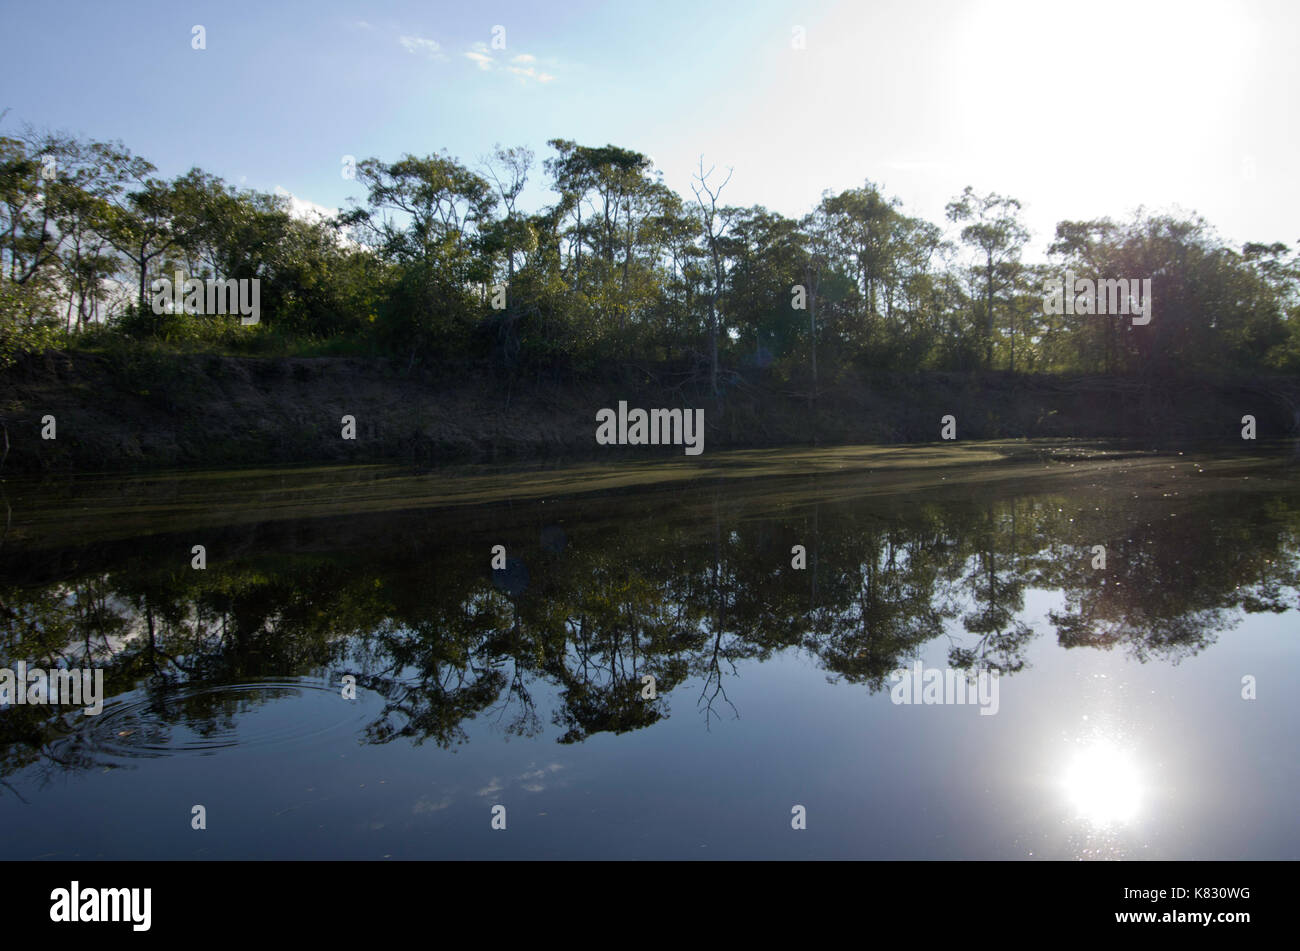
(679, 659)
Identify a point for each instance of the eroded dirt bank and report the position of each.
(156, 411)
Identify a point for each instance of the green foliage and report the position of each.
(24, 328)
(438, 262)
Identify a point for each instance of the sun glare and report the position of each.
(1103, 784)
(1109, 95)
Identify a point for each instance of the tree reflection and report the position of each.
(410, 608)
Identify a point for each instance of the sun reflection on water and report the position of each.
(1104, 784)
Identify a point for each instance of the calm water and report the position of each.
(1120, 728)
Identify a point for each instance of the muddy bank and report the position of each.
(151, 410)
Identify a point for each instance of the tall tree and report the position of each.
(996, 232)
(714, 222)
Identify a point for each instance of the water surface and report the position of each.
(1120, 729)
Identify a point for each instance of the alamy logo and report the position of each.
(35, 685)
(103, 904)
(192, 296)
(656, 427)
(1106, 297)
(927, 685)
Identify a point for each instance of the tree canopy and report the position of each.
(440, 261)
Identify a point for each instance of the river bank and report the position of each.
(157, 410)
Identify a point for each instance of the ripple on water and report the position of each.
(206, 720)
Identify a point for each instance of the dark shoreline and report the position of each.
(158, 410)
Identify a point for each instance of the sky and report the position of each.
(1079, 110)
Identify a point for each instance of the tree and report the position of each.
(996, 232)
(816, 231)
(430, 216)
(145, 228)
(714, 222)
(512, 234)
(865, 222)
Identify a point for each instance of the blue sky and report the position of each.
(1079, 110)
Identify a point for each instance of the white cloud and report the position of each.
(424, 804)
(486, 60)
(421, 46)
(533, 778)
(493, 787)
(304, 209)
(480, 55)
